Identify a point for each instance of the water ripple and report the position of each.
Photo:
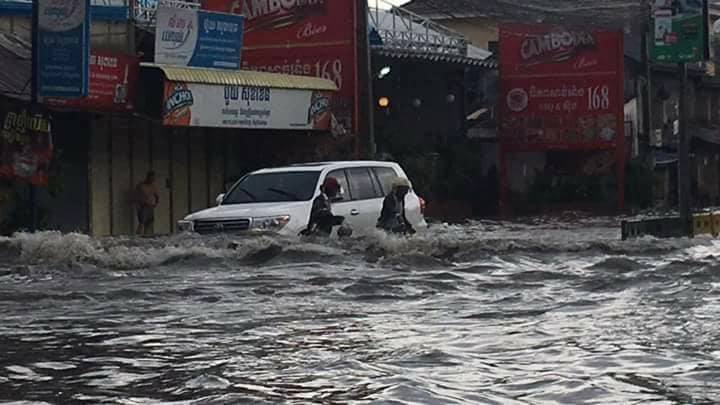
(484, 313)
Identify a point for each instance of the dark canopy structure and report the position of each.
(626, 15)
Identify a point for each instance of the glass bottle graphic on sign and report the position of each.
(121, 89)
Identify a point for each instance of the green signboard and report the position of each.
(680, 31)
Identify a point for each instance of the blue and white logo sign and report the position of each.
(188, 37)
(63, 48)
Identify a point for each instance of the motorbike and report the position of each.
(325, 225)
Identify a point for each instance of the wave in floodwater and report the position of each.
(544, 311)
(444, 242)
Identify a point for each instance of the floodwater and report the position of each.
(554, 311)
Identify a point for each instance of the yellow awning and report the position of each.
(226, 77)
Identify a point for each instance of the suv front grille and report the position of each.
(221, 226)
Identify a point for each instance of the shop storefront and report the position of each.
(561, 119)
(198, 130)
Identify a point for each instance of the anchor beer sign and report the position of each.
(303, 37)
(204, 105)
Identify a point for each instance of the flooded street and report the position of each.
(486, 313)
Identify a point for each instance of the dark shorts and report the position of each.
(146, 215)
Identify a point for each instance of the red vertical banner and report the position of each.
(561, 89)
(26, 146)
(303, 37)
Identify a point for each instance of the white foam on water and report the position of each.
(27, 403)
(122, 253)
(54, 365)
(208, 382)
(440, 240)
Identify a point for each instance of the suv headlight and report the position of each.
(185, 226)
(270, 223)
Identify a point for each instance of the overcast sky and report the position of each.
(393, 2)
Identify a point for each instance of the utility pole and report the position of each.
(649, 127)
(34, 98)
(684, 176)
(365, 108)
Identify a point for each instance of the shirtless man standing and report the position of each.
(146, 199)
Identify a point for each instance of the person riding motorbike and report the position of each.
(322, 219)
(392, 217)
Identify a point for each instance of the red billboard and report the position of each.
(302, 37)
(560, 89)
(113, 82)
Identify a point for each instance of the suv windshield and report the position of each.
(273, 187)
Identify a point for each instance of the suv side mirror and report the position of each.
(219, 199)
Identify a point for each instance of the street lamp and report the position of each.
(384, 71)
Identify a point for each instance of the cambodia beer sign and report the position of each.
(302, 37)
(202, 105)
(560, 88)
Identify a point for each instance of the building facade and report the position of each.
(104, 148)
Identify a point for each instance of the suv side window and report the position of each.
(385, 175)
(340, 176)
(362, 186)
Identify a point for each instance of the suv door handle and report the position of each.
(354, 212)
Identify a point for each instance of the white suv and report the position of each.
(280, 199)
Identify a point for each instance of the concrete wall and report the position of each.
(189, 166)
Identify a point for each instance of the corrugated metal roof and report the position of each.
(16, 67)
(242, 78)
(433, 57)
(611, 14)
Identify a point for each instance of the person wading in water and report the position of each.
(146, 199)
